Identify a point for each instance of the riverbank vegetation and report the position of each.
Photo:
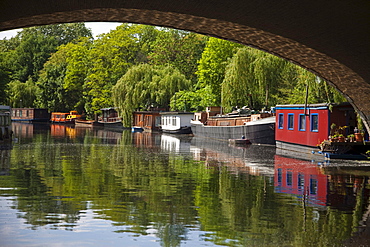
(61, 67)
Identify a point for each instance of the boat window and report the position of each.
(20, 113)
(157, 121)
(281, 121)
(174, 121)
(313, 186)
(302, 122)
(290, 121)
(314, 122)
(289, 178)
(280, 174)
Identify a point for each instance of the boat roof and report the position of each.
(176, 113)
(5, 107)
(108, 108)
(66, 113)
(318, 105)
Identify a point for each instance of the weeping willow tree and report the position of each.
(239, 83)
(145, 85)
(258, 79)
(22, 94)
(319, 91)
(251, 77)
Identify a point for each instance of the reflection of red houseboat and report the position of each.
(301, 178)
(305, 128)
(344, 188)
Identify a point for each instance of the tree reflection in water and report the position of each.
(180, 190)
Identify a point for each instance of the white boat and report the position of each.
(176, 122)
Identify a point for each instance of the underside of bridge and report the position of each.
(330, 38)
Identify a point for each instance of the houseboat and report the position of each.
(176, 122)
(240, 124)
(5, 123)
(64, 117)
(314, 128)
(30, 115)
(110, 119)
(147, 120)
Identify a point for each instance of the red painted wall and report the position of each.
(306, 137)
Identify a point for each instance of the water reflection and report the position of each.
(95, 187)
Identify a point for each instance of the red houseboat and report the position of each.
(306, 128)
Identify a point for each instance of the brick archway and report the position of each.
(330, 39)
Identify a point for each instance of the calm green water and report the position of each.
(62, 186)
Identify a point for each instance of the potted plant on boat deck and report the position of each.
(341, 138)
(351, 138)
(359, 135)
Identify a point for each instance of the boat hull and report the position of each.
(88, 123)
(182, 130)
(257, 133)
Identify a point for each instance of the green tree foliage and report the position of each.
(4, 79)
(52, 94)
(180, 49)
(62, 78)
(110, 58)
(239, 86)
(251, 77)
(144, 85)
(258, 79)
(212, 65)
(318, 90)
(36, 44)
(193, 100)
(22, 94)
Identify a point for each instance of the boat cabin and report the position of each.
(309, 125)
(64, 117)
(109, 115)
(176, 122)
(30, 114)
(148, 120)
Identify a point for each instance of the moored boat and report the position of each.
(147, 120)
(324, 129)
(257, 128)
(176, 122)
(110, 119)
(64, 117)
(87, 123)
(30, 115)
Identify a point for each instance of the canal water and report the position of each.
(70, 186)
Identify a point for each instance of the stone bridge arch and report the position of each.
(329, 38)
